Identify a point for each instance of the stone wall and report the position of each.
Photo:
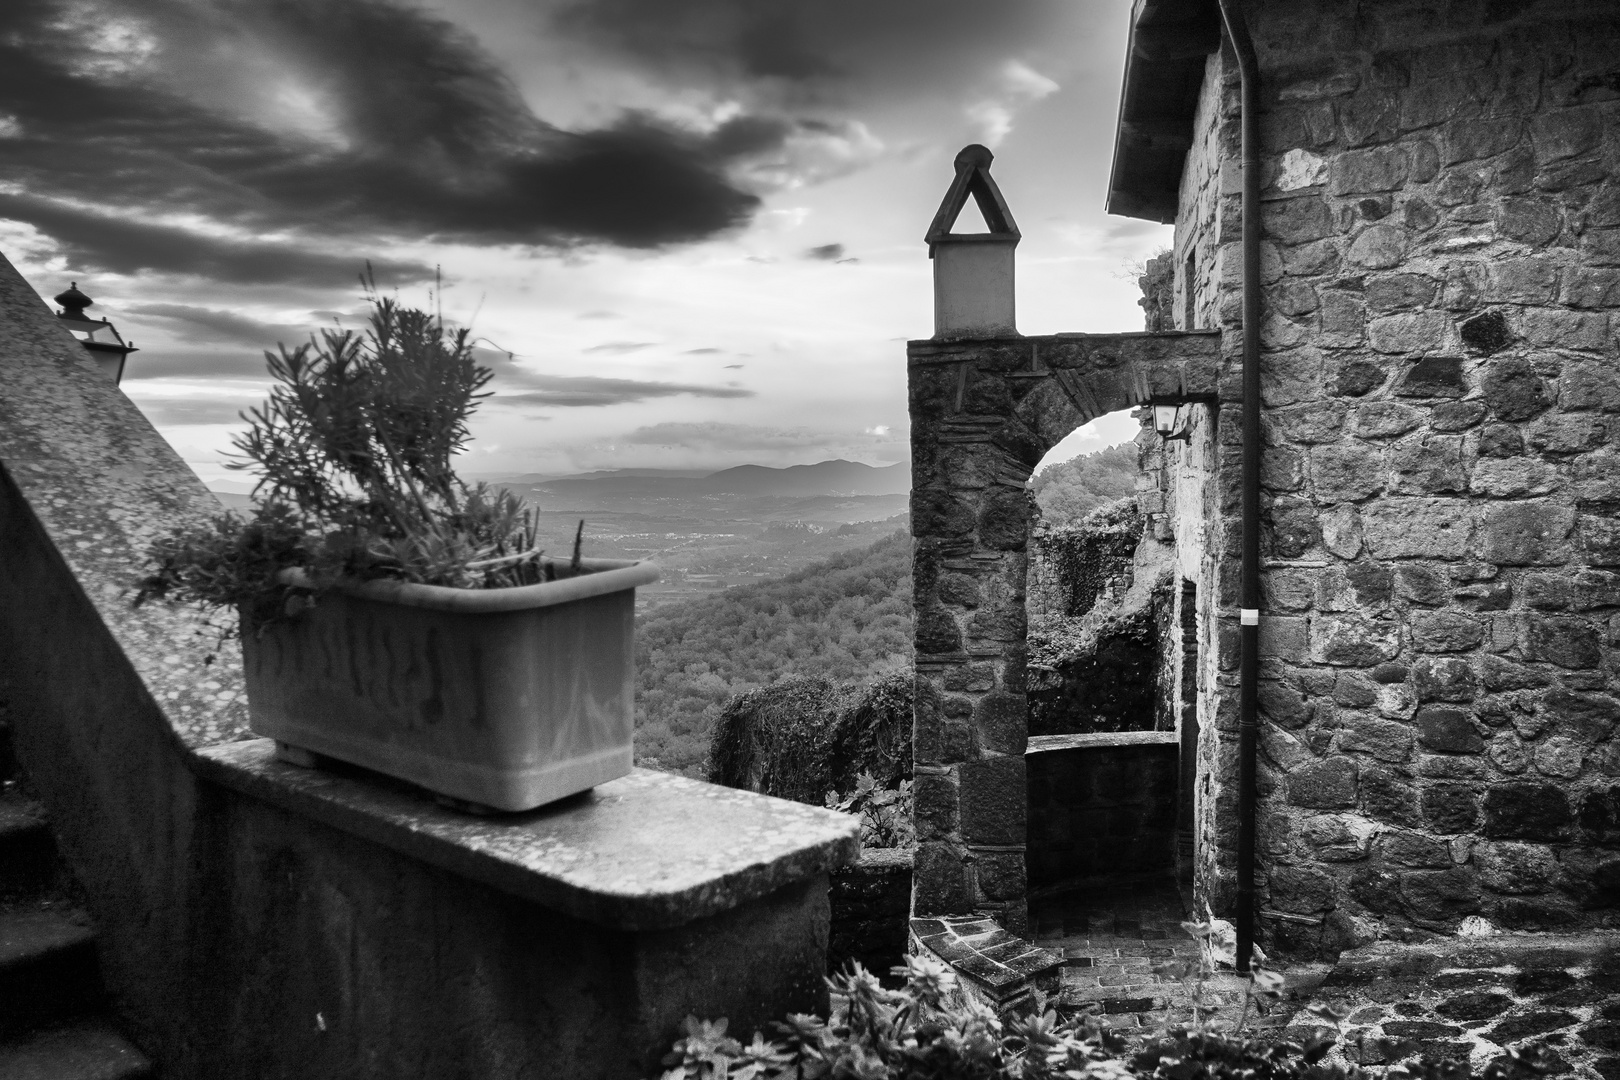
(1441, 601)
(1100, 807)
(871, 910)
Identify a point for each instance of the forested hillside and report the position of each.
(1070, 490)
(846, 618)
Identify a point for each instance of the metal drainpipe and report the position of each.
(1237, 31)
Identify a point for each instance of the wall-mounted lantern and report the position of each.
(973, 272)
(1173, 422)
(99, 336)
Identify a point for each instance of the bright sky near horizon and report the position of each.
(696, 224)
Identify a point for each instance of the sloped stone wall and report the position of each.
(1441, 262)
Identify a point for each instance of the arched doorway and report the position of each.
(983, 413)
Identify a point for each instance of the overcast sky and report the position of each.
(696, 224)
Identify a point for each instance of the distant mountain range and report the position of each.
(797, 481)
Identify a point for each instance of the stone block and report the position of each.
(1378, 247)
(936, 631)
(1600, 813)
(1298, 220)
(1530, 221)
(1444, 678)
(1531, 279)
(1434, 376)
(939, 885)
(1445, 631)
(1430, 465)
(1601, 247)
(1303, 890)
(1526, 811)
(1380, 168)
(1353, 640)
(1471, 140)
(1386, 740)
(1450, 808)
(1566, 133)
(1591, 717)
(1588, 288)
(1327, 785)
(1289, 528)
(1418, 528)
(1385, 419)
(1446, 730)
(1568, 434)
(934, 800)
(1413, 849)
(1534, 532)
(1347, 471)
(1439, 895)
(1003, 520)
(1359, 378)
(1514, 390)
(1422, 584)
(1341, 531)
(1589, 386)
(1283, 638)
(992, 797)
(1565, 640)
(1313, 259)
(1513, 478)
(1487, 332)
(1499, 674)
(1291, 376)
(1456, 415)
(1556, 328)
(1316, 422)
(1282, 705)
(1409, 332)
(1399, 292)
(1559, 756)
(1002, 721)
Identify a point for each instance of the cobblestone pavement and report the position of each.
(1114, 935)
(1474, 998)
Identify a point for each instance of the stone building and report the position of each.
(1437, 270)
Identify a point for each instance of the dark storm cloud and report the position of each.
(826, 252)
(619, 347)
(407, 130)
(813, 48)
(94, 241)
(190, 323)
(588, 390)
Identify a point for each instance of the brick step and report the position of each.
(27, 849)
(83, 1050)
(48, 968)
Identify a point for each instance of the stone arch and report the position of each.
(983, 414)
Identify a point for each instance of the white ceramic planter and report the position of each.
(505, 698)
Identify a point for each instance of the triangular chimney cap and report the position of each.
(973, 178)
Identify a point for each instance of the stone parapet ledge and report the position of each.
(993, 967)
(647, 851)
(1039, 744)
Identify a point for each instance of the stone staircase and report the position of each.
(54, 1020)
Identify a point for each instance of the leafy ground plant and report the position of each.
(354, 449)
(886, 814)
(929, 1030)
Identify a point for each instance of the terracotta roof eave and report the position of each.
(1164, 71)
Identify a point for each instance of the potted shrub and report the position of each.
(392, 616)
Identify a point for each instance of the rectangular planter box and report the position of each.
(510, 698)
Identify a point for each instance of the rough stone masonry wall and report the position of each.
(1442, 602)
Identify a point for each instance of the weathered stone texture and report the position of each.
(1447, 248)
